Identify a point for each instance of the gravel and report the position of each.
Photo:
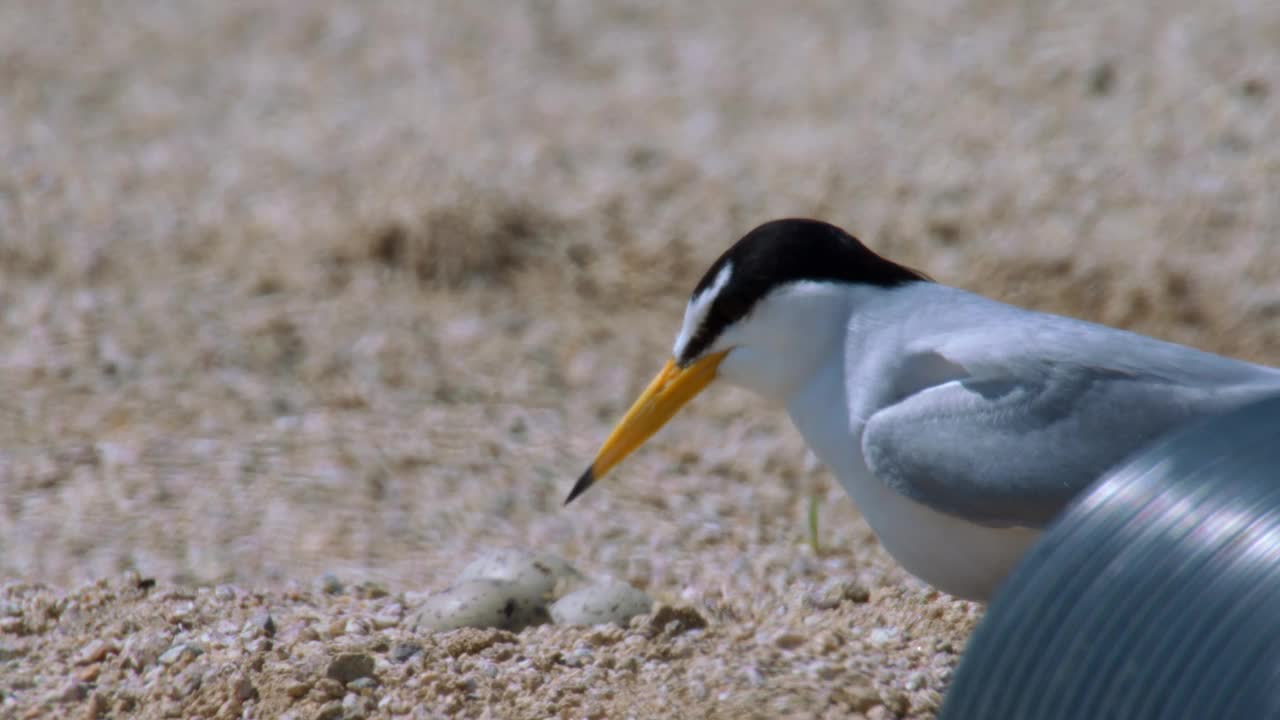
(305, 307)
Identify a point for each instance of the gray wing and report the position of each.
(1009, 441)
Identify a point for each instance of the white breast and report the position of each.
(958, 557)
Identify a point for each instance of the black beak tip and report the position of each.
(588, 478)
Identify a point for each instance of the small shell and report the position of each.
(539, 574)
(610, 601)
(481, 603)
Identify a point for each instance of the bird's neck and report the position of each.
(792, 335)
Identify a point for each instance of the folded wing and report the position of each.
(1008, 439)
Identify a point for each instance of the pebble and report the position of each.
(882, 635)
(400, 652)
(789, 641)
(73, 692)
(482, 604)
(858, 693)
(97, 706)
(177, 652)
(262, 623)
(329, 584)
(389, 616)
(349, 666)
(357, 626)
(298, 688)
(832, 593)
(243, 690)
(471, 641)
(672, 621)
(371, 590)
(602, 603)
(352, 707)
(95, 651)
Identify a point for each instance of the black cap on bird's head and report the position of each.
(775, 254)
(781, 252)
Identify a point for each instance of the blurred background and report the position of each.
(296, 288)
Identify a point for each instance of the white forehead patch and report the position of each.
(696, 311)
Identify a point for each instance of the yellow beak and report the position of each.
(669, 391)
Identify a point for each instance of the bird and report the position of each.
(959, 425)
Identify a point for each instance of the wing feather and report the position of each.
(1008, 439)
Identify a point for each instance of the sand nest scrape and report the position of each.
(131, 647)
(295, 290)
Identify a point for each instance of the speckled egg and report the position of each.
(481, 603)
(610, 601)
(540, 574)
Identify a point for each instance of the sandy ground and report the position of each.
(289, 289)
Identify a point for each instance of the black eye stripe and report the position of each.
(781, 252)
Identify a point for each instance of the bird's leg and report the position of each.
(811, 464)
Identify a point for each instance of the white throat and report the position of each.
(787, 336)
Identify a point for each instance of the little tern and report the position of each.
(959, 425)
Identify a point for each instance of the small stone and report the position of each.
(263, 623)
(9, 652)
(832, 593)
(364, 683)
(789, 641)
(298, 688)
(187, 682)
(353, 707)
(897, 702)
(471, 641)
(371, 590)
(13, 625)
(672, 621)
(1255, 88)
(882, 635)
(356, 626)
(401, 652)
(389, 617)
(73, 692)
(1102, 78)
(331, 711)
(89, 674)
(96, 651)
(97, 706)
(243, 690)
(182, 612)
(857, 693)
(329, 584)
(350, 666)
(394, 705)
(178, 652)
(328, 688)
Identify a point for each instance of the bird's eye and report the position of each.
(727, 309)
